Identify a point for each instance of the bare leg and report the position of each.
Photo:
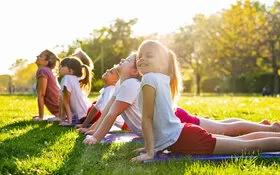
(236, 146)
(252, 136)
(236, 128)
(231, 120)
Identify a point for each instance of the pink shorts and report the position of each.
(193, 140)
(185, 117)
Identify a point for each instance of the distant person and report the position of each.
(266, 91)
(47, 86)
(217, 89)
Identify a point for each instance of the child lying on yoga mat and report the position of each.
(123, 102)
(163, 131)
(110, 78)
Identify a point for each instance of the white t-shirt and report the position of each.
(127, 92)
(104, 97)
(79, 104)
(166, 126)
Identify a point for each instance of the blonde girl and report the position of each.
(74, 102)
(163, 130)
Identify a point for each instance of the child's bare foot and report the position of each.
(265, 122)
(276, 127)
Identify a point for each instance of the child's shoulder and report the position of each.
(44, 69)
(131, 81)
(154, 76)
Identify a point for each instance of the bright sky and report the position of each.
(30, 26)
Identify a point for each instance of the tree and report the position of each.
(270, 50)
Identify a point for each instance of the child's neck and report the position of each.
(123, 78)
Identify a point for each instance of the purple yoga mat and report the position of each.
(125, 137)
(168, 156)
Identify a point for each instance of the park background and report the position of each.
(234, 50)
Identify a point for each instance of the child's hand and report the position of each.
(82, 130)
(79, 126)
(139, 150)
(90, 132)
(90, 140)
(142, 158)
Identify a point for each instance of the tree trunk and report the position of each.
(198, 77)
(275, 71)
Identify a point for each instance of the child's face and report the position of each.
(127, 65)
(64, 70)
(110, 77)
(151, 59)
(41, 59)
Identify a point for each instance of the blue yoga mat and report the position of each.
(160, 157)
(168, 156)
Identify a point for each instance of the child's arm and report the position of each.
(41, 91)
(104, 113)
(66, 104)
(89, 117)
(117, 108)
(148, 94)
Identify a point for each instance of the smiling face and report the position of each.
(152, 58)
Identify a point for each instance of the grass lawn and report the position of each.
(28, 147)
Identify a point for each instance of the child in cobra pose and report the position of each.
(162, 130)
(123, 102)
(74, 102)
(110, 78)
(47, 86)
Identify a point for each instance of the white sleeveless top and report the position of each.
(166, 126)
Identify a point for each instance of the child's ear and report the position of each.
(71, 71)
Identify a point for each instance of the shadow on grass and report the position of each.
(28, 144)
(96, 159)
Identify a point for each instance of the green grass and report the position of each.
(28, 147)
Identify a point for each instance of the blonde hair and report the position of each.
(84, 58)
(76, 65)
(134, 54)
(173, 68)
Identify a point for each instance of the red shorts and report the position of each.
(193, 140)
(185, 117)
(97, 116)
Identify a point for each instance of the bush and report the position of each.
(97, 85)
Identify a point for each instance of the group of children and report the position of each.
(140, 94)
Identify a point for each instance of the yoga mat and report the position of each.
(161, 157)
(123, 137)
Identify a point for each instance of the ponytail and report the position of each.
(175, 77)
(85, 82)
